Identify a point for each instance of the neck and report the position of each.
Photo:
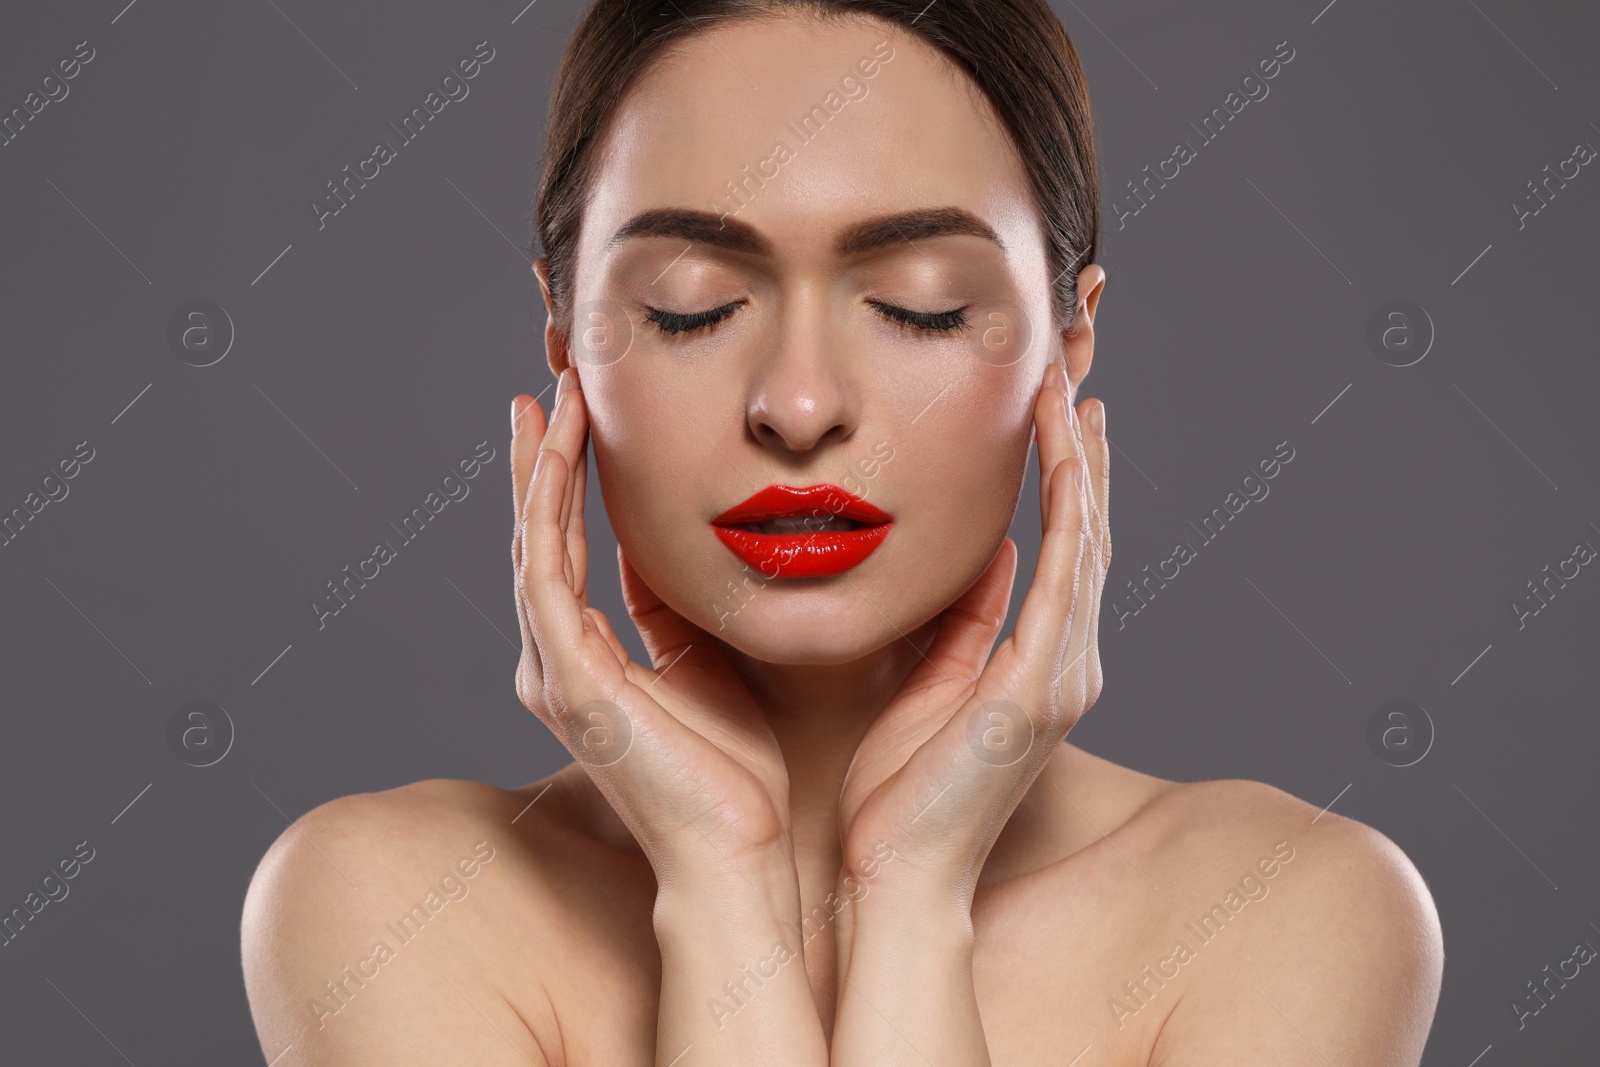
(819, 715)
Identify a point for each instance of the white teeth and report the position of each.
(802, 524)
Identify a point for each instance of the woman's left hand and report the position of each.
(947, 761)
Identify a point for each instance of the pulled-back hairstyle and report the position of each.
(1015, 50)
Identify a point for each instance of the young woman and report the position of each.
(819, 277)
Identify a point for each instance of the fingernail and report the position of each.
(1077, 474)
(561, 392)
(1097, 420)
(516, 415)
(537, 463)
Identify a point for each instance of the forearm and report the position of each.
(734, 986)
(906, 994)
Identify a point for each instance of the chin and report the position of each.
(825, 627)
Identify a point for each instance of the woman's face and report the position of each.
(837, 197)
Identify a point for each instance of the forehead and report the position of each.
(792, 121)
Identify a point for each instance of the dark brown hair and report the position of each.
(1015, 50)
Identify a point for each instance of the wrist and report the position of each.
(907, 919)
(886, 936)
(888, 880)
(761, 890)
(910, 905)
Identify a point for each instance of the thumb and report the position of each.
(664, 631)
(968, 628)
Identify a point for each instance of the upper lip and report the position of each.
(785, 501)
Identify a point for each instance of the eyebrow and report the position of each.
(870, 235)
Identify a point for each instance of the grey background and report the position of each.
(1382, 565)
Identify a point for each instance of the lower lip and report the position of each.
(804, 555)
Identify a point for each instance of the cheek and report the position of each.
(652, 469)
(977, 452)
(637, 449)
(957, 487)
(979, 487)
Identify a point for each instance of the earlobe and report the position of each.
(1078, 339)
(555, 344)
(555, 348)
(1077, 345)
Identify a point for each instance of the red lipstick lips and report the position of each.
(786, 532)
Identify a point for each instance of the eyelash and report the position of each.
(672, 323)
(929, 321)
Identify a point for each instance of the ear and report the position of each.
(1078, 339)
(555, 342)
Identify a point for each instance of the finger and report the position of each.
(530, 668)
(1052, 433)
(572, 507)
(577, 539)
(1099, 474)
(969, 627)
(569, 435)
(528, 426)
(1078, 685)
(555, 618)
(1099, 446)
(1088, 446)
(527, 431)
(664, 631)
(568, 429)
(1096, 449)
(596, 618)
(1043, 622)
(1080, 436)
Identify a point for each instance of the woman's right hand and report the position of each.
(682, 754)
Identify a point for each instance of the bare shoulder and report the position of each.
(369, 930)
(350, 851)
(1305, 936)
(1227, 819)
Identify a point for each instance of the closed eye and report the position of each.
(671, 322)
(674, 323)
(932, 321)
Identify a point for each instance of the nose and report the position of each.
(804, 396)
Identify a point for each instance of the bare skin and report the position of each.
(791, 837)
